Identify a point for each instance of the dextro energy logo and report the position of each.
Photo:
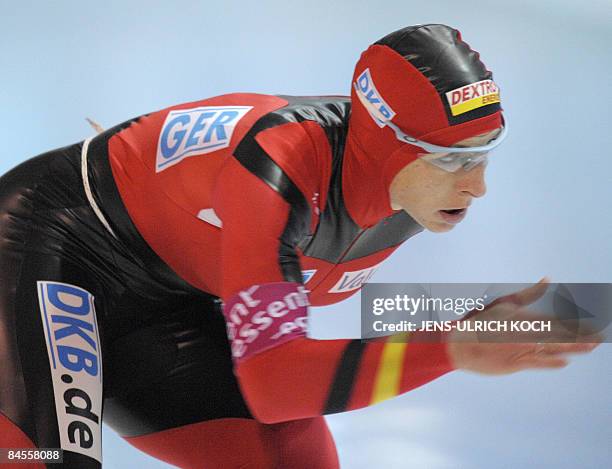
(371, 99)
(196, 131)
(73, 345)
(472, 96)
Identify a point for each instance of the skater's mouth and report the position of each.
(453, 215)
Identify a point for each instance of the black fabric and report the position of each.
(448, 62)
(165, 355)
(107, 197)
(344, 380)
(174, 372)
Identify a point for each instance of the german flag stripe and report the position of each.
(390, 368)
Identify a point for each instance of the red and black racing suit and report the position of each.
(242, 200)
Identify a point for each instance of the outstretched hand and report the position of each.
(507, 352)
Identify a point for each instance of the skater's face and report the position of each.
(438, 199)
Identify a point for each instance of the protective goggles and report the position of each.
(450, 159)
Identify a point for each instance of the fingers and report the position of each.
(594, 339)
(505, 358)
(554, 330)
(508, 322)
(553, 349)
(528, 295)
(552, 355)
(543, 362)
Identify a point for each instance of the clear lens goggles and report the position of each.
(449, 159)
(453, 162)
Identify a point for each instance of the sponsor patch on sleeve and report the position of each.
(196, 131)
(472, 96)
(265, 316)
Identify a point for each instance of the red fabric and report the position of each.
(324, 295)
(303, 151)
(249, 254)
(238, 443)
(159, 202)
(293, 381)
(410, 94)
(11, 436)
(165, 205)
(423, 363)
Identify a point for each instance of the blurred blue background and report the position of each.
(547, 211)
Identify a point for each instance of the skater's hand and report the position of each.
(504, 352)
